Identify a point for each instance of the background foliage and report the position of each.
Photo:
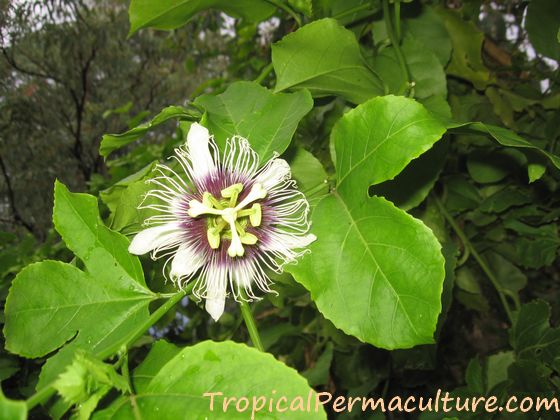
(424, 133)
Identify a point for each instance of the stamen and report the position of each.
(232, 192)
(248, 239)
(256, 217)
(239, 228)
(210, 201)
(213, 236)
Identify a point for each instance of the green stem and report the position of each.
(264, 73)
(360, 8)
(48, 391)
(398, 20)
(316, 188)
(251, 326)
(468, 245)
(396, 45)
(125, 372)
(39, 397)
(151, 320)
(287, 9)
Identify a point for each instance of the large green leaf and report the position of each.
(51, 303)
(181, 379)
(376, 272)
(375, 141)
(268, 120)
(76, 219)
(543, 26)
(111, 142)
(325, 58)
(171, 14)
(425, 69)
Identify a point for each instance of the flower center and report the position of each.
(227, 219)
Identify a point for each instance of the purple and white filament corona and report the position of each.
(225, 221)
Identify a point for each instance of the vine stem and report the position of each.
(469, 246)
(251, 325)
(265, 72)
(362, 7)
(395, 41)
(48, 391)
(398, 19)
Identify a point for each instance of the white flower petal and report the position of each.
(283, 241)
(275, 172)
(199, 152)
(152, 238)
(185, 262)
(215, 306)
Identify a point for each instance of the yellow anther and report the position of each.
(206, 199)
(231, 190)
(256, 217)
(213, 236)
(210, 201)
(248, 239)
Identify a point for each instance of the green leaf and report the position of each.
(429, 29)
(160, 353)
(319, 373)
(496, 369)
(537, 246)
(76, 219)
(466, 59)
(85, 376)
(309, 173)
(375, 141)
(508, 275)
(124, 197)
(531, 335)
(486, 166)
(171, 14)
(542, 24)
(382, 287)
(474, 377)
(179, 386)
(51, 302)
(360, 273)
(268, 120)
(425, 69)
(503, 136)
(86, 381)
(325, 58)
(11, 409)
(467, 280)
(111, 142)
(505, 199)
